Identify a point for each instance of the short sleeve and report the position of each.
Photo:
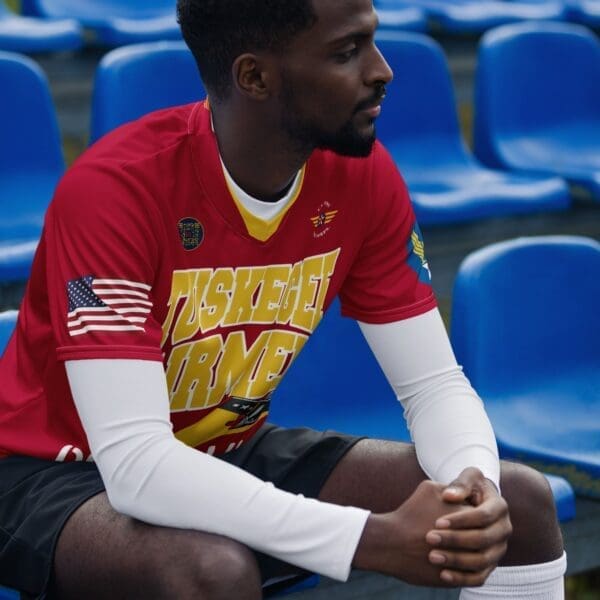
(101, 240)
(390, 278)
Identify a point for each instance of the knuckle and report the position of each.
(489, 559)
(481, 562)
(509, 528)
(485, 539)
(427, 485)
(486, 514)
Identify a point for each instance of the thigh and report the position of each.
(103, 554)
(377, 475)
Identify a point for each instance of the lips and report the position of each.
(373, 112)
(372, 107)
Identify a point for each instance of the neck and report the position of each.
(260, 158)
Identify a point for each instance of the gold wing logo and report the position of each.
(323, 218)
(418, 246)
(416, 256)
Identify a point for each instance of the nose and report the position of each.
(379, 71)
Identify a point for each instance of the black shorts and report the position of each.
(37, 496)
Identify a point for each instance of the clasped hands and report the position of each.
(449, 536)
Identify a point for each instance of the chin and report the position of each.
(356, 149)
(351, 143)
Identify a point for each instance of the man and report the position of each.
(185, 260)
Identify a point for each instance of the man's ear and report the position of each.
(252, 76)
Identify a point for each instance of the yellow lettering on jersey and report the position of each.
(190, 372)
(216, 298)
(279, 350)
(272, 288)
(290, 296)
(235, 362)
(315, 278)
(247, 281)
(187, 285)
(200, 374)
(283, 294)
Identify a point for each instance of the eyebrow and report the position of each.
(360, 33)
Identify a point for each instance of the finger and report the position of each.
(468, 539)
(464, 579)
(483, 515)
(468, 561)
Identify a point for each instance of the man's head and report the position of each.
(310, 65)
(218, 31)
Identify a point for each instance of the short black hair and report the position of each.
(218, 31)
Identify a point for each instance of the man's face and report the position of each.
(333, 80)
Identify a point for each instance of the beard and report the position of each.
(308, 135)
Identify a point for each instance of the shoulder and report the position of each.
(148, 136)
(129, 162)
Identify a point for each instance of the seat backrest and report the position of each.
(29, 135)
(8, 319)
(134, 80)
(527, 309)
(336, 383)
(89, 10)
(419, 117)
(532, 77)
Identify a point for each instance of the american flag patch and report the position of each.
(106, 305)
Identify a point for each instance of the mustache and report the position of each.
(375, 99)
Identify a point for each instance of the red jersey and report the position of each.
(146, 254)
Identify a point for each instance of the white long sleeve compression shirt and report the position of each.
(150, 475)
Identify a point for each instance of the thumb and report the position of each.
(464, 487)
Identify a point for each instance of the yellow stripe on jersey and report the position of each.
(257, 227)
(211, 426)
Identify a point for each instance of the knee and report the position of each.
(536, 532)
(208, 566)
(527, 492)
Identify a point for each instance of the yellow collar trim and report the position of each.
(258, 228)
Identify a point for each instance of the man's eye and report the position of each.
(346, 55)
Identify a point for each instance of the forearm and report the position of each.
(445, 416)
(153, 477)
(450, 428)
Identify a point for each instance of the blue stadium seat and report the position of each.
(336, 383)
(8, 594)
(472, 16)
(419, 125)
(31, 161)
(114, 22)
(8, 319)
(526, 327)
(27, 34)
(538, 101)
(406, 18)
(140, 78)
(586, 12)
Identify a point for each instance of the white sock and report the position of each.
(535, 582)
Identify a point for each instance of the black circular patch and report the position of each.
(191, 233)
